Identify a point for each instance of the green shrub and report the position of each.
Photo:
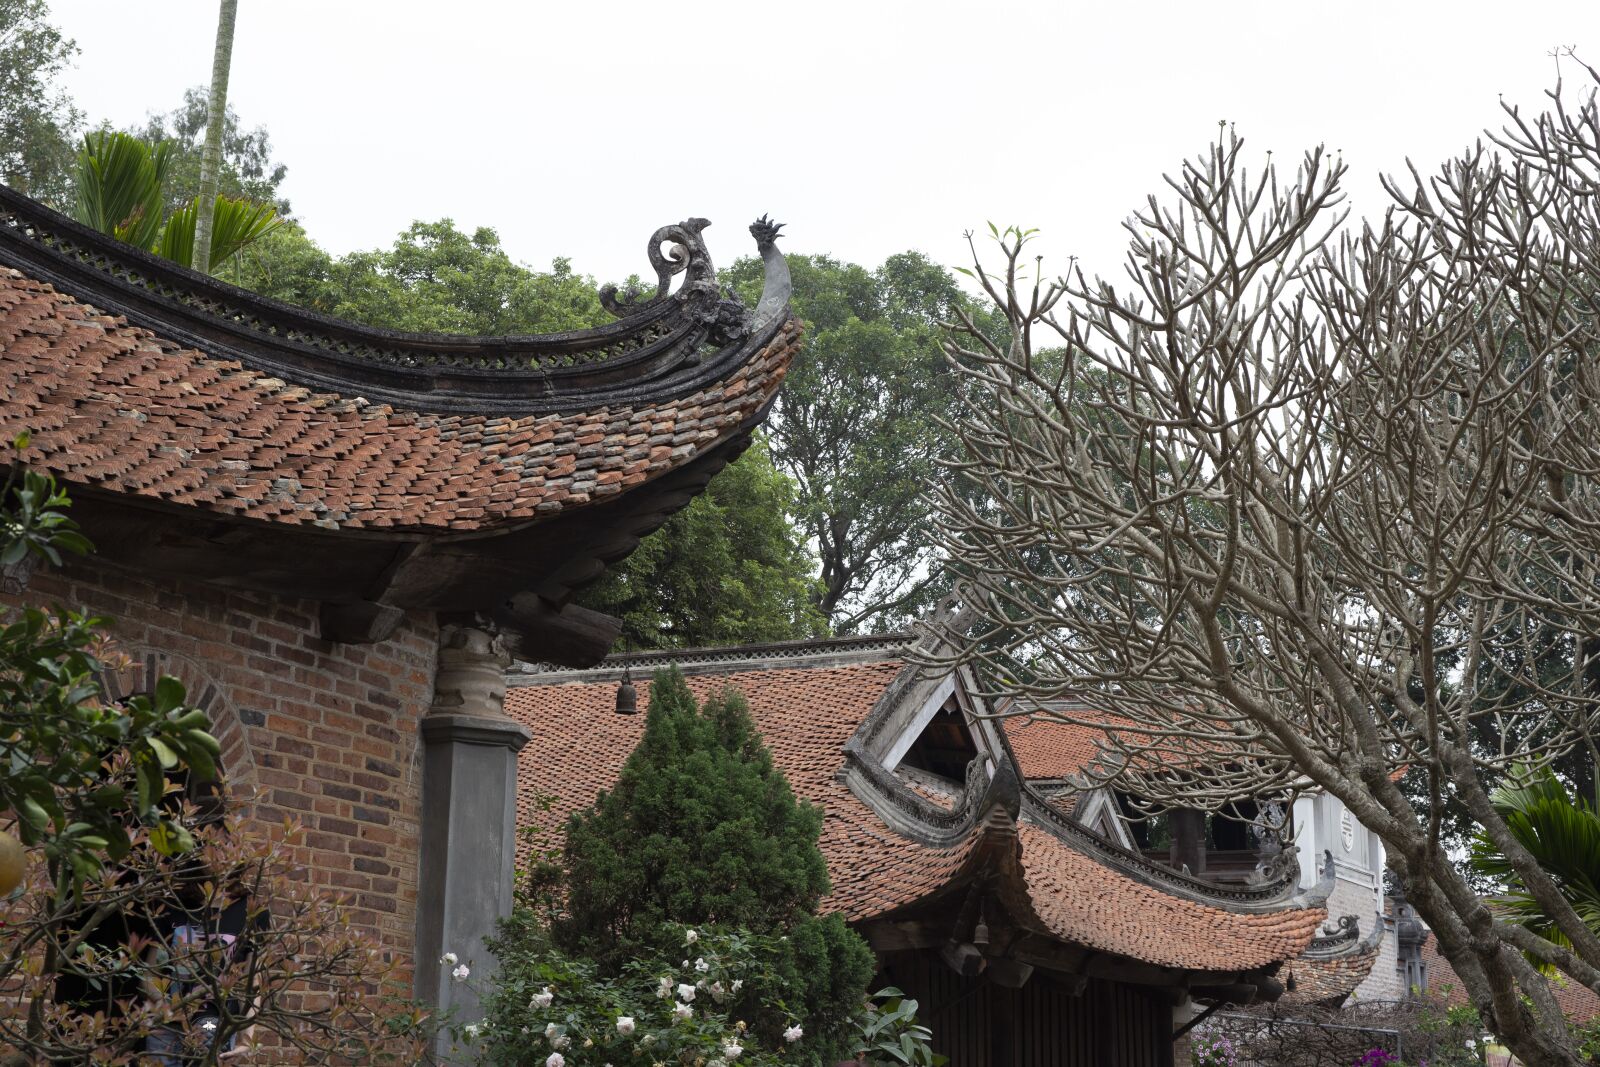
(701, 832)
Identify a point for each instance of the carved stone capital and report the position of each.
(471, 675)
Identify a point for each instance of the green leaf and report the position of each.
(33, 813)
(120, 183)
(169, 694)
(164, 753)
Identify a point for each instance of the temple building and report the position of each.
(1369, 949)
(1027, 937)
(338, 537)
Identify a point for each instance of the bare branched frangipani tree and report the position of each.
(1303, 503)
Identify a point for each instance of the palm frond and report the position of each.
(1562, 833)
(238, 223)
(119, 186)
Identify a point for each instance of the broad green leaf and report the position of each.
(168, 758)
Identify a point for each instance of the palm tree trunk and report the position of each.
(211, 155)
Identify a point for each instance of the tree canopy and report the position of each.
(434, 279)
(39, 124)
(725, 570)
(856, 427)
(248, 169)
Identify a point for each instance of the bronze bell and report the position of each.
(627, 696)
(980, 936)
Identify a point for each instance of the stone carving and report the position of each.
(1276, 868)
(714, 307)
(471, 676)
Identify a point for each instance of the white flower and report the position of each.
(472, 1030)
(701, 965)
(682, 1012)
(663, 988)
(560, 1041)
(685, 992)
(556, 1060)
(542, 1000)
(718, 993)
(793, 1034)
(732, 1050)
(449, 959)
(690, 937)
(738, 984)
(460, 973)
(624, 1025)
(551, 1030)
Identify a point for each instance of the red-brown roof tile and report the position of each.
(115, 407)
(806, 715)
(1086, 902)
(1327, 980)
(1578, 1002)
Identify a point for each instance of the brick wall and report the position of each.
(322, 733)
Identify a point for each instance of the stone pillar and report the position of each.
(469, 811)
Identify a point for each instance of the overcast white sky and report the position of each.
(870, 127)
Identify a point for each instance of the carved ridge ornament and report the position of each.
(1347, 830)
(661, 348)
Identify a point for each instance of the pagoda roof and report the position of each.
(207, 431)
(899, 857)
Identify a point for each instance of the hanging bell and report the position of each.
(627, 696)
(980, 934)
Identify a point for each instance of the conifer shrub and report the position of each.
(700, 832)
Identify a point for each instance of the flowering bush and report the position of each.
(1377, 1057)
(1212, 1048)
(551, 1010)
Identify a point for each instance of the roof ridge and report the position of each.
(773, 655)
(661, 348)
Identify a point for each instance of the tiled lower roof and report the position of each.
(1085, 902)
(1328, 981)
(115, 407)
(805, 716)
(1578, 1002)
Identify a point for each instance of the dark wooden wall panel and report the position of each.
(979, 1024)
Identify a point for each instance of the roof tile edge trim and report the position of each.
(666, 346)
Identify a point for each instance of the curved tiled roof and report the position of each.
(115, 407)
(1083, 901)
(806, 716)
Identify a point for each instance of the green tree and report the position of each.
(727, 569)
(856, 427)
(702, 829)
(38, 122)
(435, 279)
(248, 170)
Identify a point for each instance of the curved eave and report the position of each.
(121, 410)
(664, 349)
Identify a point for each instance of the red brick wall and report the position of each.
(322, 733)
